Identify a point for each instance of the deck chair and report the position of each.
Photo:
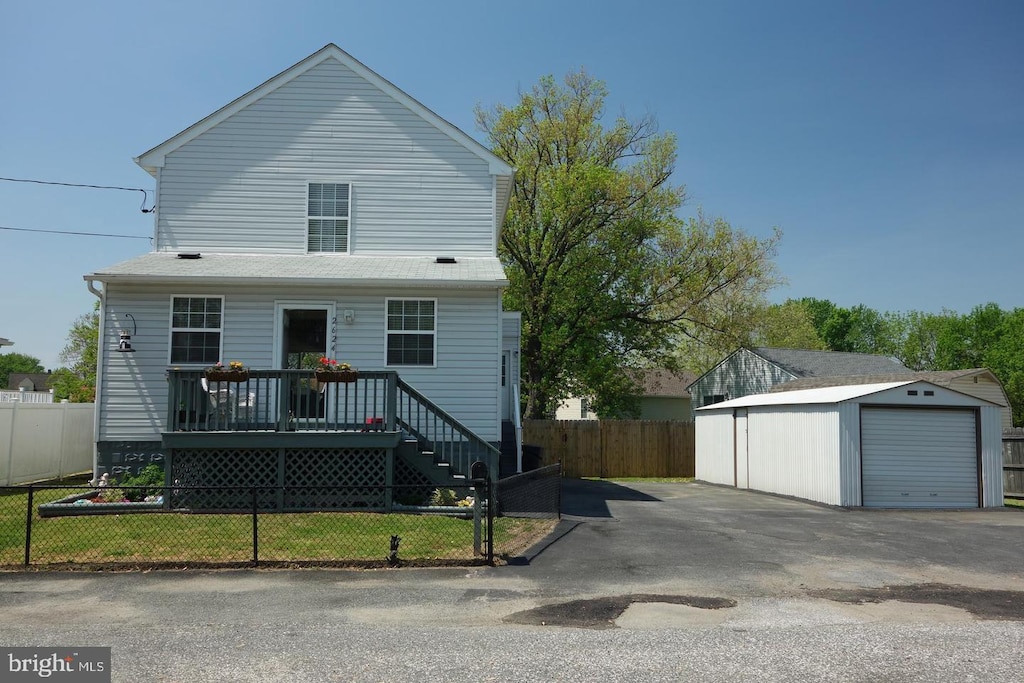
(226, 402)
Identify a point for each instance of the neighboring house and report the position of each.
(28, 381)
(757, 370)
(6, 342)
(663, 396)
(324, 213)
(575, 408)
(32, 387)
(978, 382)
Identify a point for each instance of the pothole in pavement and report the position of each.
(601, 613)
(984, 603)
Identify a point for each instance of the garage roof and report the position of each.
(824, 395)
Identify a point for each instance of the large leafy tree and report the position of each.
(16, 362)
(76, 381)
(787, 325)
(605, 273)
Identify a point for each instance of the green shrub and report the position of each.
(443, 497)
(148, 482)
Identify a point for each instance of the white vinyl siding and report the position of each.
(919, 458)
(196, 329)
(328, 217)
(241, 187)
(985, 388)
(411, 331)
(464, 380)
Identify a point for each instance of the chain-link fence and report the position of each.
(358, 526)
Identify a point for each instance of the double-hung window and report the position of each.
(196, 326)
(328, 216)
(412, 331)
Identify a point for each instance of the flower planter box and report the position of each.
(336, 376)
(227, 375)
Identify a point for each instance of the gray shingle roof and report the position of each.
(942, 378)
(308, 269)
(664, 382)
(804, 363)
(40, 381)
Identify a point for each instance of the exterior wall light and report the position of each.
(124, 344)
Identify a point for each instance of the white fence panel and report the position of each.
(45, 441)
(10, 396)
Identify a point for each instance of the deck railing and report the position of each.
(293, 400)
(280, 401)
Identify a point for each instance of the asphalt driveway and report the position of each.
(640, 535)
(660, 582)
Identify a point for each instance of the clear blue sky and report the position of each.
(886, 139)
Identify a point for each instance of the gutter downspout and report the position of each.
(100, 352)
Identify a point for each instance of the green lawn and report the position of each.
(1013, 502)
(326, 537)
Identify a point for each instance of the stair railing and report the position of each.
(436, 431)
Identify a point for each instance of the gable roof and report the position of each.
(6, 342)
(836, 394)
(34, 381)
(806, 363)
(942, 378)
(154, 158)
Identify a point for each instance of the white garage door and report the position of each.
(918, 458)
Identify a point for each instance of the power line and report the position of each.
(145, 193)
(72, 232)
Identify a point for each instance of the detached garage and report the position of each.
(907, 444)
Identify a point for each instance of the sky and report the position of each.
(884, 138)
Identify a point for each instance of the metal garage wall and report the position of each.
(714, 447)
(794, 450)
(992, 456)
(849, 454)
(991, 431)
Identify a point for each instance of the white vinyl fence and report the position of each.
(22, 396)
(45, 441)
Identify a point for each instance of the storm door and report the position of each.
(305, 334)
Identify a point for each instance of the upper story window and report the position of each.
(412, 331)
(328, 215)
(196, 326)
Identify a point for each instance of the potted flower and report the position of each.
(330, 370)
(234, 372)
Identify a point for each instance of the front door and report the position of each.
(305, 333)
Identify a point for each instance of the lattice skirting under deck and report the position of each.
(287, 479)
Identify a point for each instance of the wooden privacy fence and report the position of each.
(1013, 463)
(615, 448)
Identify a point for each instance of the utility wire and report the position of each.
(71, 232)
(145, 193)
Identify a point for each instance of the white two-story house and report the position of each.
(323, 213)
